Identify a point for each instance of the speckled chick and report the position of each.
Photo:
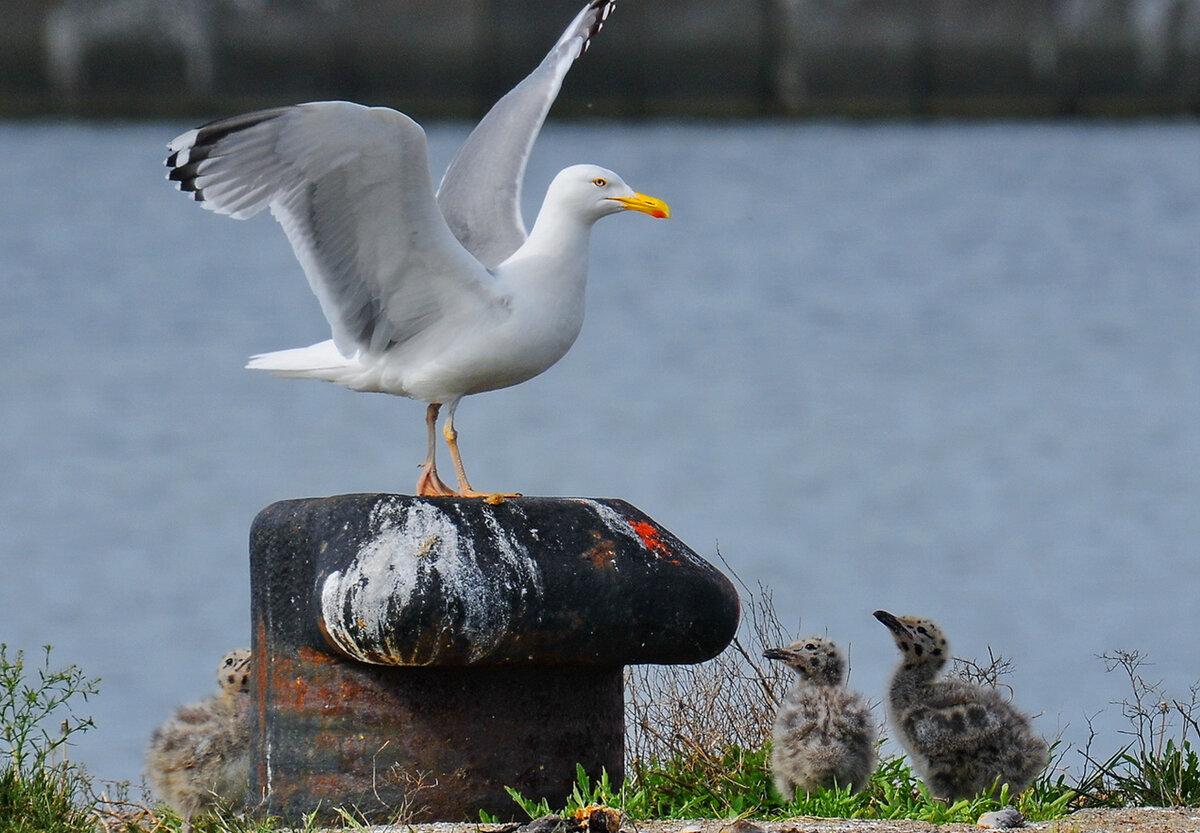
(824, 733)
(201, 756)
(960, 737)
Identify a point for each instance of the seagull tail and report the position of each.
(317, 361)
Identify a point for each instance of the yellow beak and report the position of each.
(647, 205)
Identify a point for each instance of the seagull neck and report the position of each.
(557, 235)
(909, 681)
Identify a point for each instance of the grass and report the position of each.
(41, 791)
(698, 747)
(678, 791)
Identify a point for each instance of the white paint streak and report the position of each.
(614, 520)
(411, 553)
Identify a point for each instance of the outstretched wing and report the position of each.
(480, 194)
(350, 185)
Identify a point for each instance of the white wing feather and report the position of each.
(480, 194)
(350, 186)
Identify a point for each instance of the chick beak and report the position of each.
(890, 622)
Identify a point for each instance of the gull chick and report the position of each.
(429, 295)
(962, 738)
(824, 734)
(201, 756)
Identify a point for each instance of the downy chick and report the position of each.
(824, 734)
(962, 738)
(201, 756)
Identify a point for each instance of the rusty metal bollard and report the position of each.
(421, 654)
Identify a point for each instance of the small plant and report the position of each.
(733, 781)
(988, 675)
(41, 791)
(584, 794)
(533, 809)
(587, 794)
(1155, 768)
(1050, 796)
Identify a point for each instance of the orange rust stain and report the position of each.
(650, 537)
(312, 682)
(325, 784)
(602, 554)
(313, 655)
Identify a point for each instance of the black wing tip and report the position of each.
(214, 131)
(184, 162)
(184, 175)
(208, 135)
(601, 9)
(185, 181)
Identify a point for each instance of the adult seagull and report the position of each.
(430, 297)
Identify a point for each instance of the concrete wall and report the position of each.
(694, 57)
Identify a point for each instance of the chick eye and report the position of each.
(599, 182)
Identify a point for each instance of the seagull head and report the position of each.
(233, 674)
(815, 658)
(596, 192)
(920, 640)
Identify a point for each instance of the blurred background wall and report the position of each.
(658, 57)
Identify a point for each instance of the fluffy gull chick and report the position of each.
(962, 738)
(201, 756)
(824, 733)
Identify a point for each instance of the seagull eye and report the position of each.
(599, 182)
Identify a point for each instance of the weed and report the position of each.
(533, 809)
(1154, 768)
(989, 675)
(41, 791)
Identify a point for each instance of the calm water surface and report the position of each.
(951, 370)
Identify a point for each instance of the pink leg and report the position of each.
(429, 484)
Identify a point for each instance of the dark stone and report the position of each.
(551, 824)
(425, 653)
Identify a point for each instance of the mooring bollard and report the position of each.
(418, 655)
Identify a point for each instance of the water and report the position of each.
(951, 370)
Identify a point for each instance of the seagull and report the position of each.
(433, 296)
(201, 756)
(963, 738)
(824, 735)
